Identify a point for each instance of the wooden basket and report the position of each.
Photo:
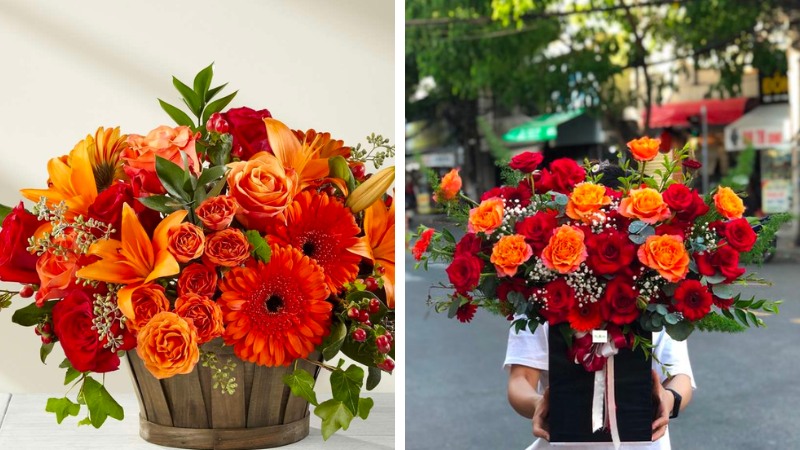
(185, 411)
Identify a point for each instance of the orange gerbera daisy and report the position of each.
(71, 181)
(377, 244)
(105, 154)
(277, 312)
(324, 230)
(323, 143)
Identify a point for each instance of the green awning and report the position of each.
(540, 128)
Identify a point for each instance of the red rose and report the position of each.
(724, 259)
(566, 173)
(526, 161)
(465, 273)
(520, 195)
(74, 327)
(470, 244)
(609, 252)
(542, 182)
(686, 202)
(675, 228)
(509, 285)
(560, 299)
(739, 234)
(16, 263)
(692, 299)
(691, 164)
(107, 208)
(620, 301)
(248, 130)
(421, 246)
(537, 229)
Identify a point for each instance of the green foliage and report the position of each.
(335, 416)
(4, 211)
(717, 322)
(197, 99)
(258, 246)
(32, 315)
(100, 403)
(302, 385)
(765, 242)
(380, 151)
(738, 177)
(62, 408)
(333, 343)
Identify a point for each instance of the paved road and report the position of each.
(747, 398)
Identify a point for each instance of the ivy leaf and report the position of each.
(302, 385)
(100, 403)
(180, 117)
(261, 250)
(373, 378)
(172, 177)
(31, 315)
(45, 350)
(346, 386)
(334, 416)
(333, 343)
(72, 373)
(62, 407)
(364, 407)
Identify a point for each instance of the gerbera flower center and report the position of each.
(274, 304)
(308, 249)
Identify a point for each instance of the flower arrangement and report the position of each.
(567, 246)
(227, 229)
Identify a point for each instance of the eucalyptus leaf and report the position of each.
(636, 227)
(681, 330)
(724, 291)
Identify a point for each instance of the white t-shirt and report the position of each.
(530, 350)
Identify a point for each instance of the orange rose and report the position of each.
(140, 303)
(486, 217)
(728, 203)
(566, 250)
(198, 279)
(204, 314)
(56, 275)
(227, 248)
(449, 187)
(667, 255)
(509, 253)
(645, 204)
(166, 142)
(186, 242)
(261, 187)
(168, 345)
(216, 213)
(645, 148)
(585, 202)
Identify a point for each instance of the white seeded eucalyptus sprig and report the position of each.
(220, 374)
(377, 154)
(106, 314)
(84, 231)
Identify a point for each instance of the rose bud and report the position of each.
(691, 164)
(359, 335)
(387, 365)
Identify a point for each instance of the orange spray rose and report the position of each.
(168, 345)
(449, 186)
(486, 217)
(667, 255)
(228, 248)
(204, 314)
(585, 202)
(186, 242)
(216, 213)
(728, 203)
(509, 253)
(198, 279)
(166, 142)
(644, 148)
(566, 250)
(645, 204)
(262, 188)
(140, 303)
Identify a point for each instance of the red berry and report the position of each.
(384, 343)
(380, 270)
(387, 365)
(374, 305)
(217, 123)
(358, 171)
(353, 313)
(388, 201)
(329, 190)
(46, 340)
(363, 317)
(26, 291)
(359, 335)
(46, 328)
(372, 285)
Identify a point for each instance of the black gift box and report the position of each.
(572, 387)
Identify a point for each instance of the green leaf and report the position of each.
(85, 421)
(373, 378)
(202, 81)
(191, 99)
(681, 330)
(45, 350)
(364, 407)
(211, 174)
(333, 343)
(453, 309)
(338, 168)
(334, 416)
(62, 407)
(4, 211)
(100, 403)
(302, 385)
(261, 250)
(217, 106)
(173, 177)
(214, 91)
(714, 279)
(742, 316)
(161, 203)
(180, 117)
(72, 374)
(724, 291)
(31, 315)
(346, 386)
(448, 236)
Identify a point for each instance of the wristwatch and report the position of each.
(676, 406)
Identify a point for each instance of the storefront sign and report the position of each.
(776, 196)
(446, 160)
(773, 88)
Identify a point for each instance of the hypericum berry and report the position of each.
(46, 340)
(387, 364)
(359, 335)
(329, 190)
(47, 328)
(358, 171)
(217, 123)
(374, 306)
(388, 201)
(363, 317)
(380, 270)
(26, 291)
(384, 343)
(354, 313)
(371, 284)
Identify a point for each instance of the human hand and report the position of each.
(541, 426)
(664, 401)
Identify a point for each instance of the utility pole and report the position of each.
(704, 133)
(793, 58)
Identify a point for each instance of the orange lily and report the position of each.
(71, 181)
(134, 259)
(302, 158)
(377, 243)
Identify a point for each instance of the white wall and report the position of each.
(68, 67)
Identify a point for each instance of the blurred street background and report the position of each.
(486, 80)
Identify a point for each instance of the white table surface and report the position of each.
(24, 425)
